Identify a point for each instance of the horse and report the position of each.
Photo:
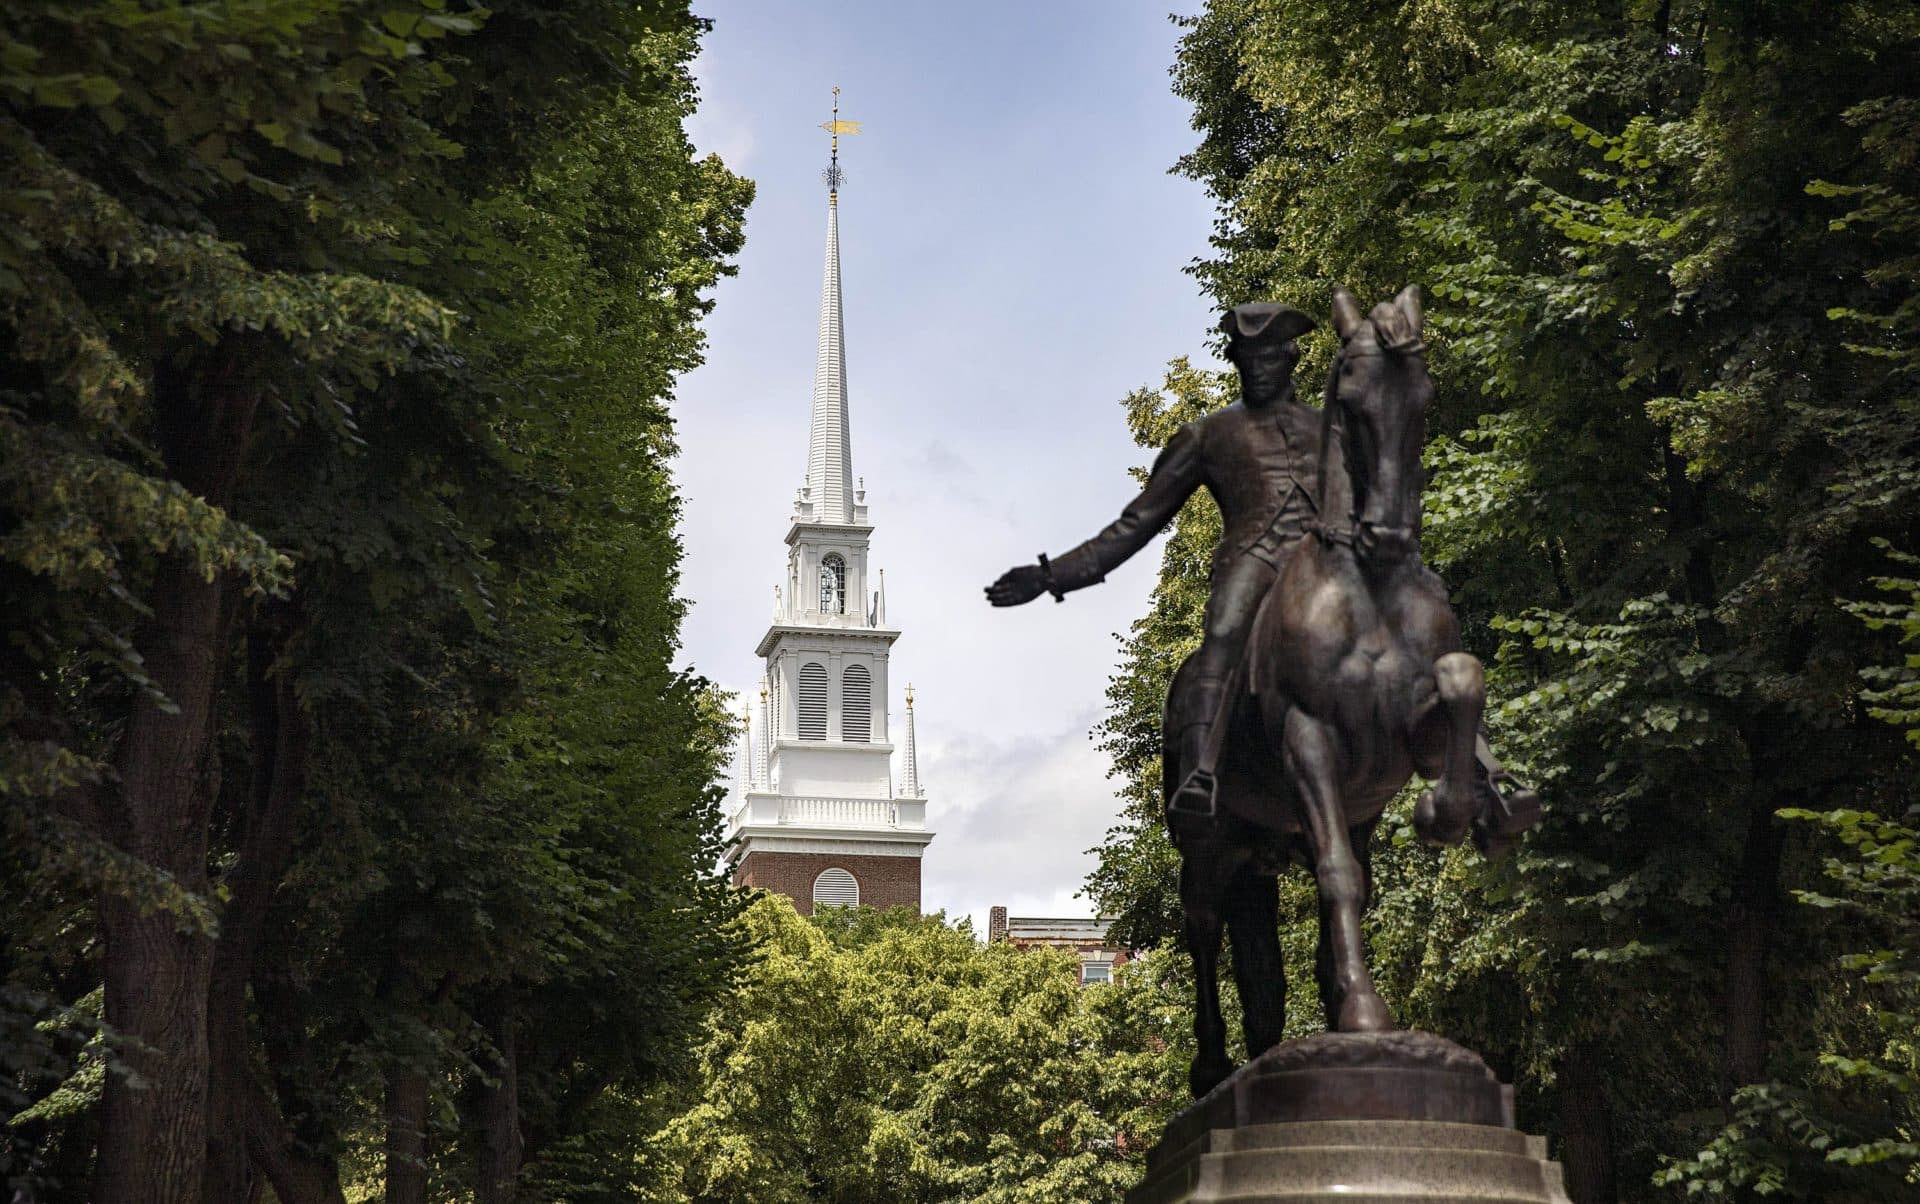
(1353, 680)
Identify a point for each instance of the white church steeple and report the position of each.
(829, 451)
(819, 805)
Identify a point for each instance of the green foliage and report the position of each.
(881, 1056)
(1837, 1110)
(1895, 696)
(445, 265)
(1670, 252)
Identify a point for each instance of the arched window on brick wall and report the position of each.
(835, 888)
(813, 701)
(856, 704)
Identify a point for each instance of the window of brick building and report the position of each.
(1095, 971)
(835, 888)
(856, 704)
(813, 701)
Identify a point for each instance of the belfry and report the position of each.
(817, 815)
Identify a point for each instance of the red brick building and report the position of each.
(1086, 939)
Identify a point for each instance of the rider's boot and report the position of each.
(1198, 710)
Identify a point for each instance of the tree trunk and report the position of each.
(1586, 1127)
(283, 1146)
(406, 1137)
(1751, 916)
(157, 966)
(498, 1113)
(280, 737)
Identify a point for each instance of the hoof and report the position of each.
(1436, 821)
(1523, 811)
(1207, 1073)
(1503, 814)
(1365, 1012)
(1492, 845)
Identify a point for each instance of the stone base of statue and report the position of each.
(1362, 1118)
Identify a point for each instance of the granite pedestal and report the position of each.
(1363, 1118)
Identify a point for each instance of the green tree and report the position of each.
(1671, 273)
(338, 545)
(880, 1056)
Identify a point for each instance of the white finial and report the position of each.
(763, 752)
(880, 602)
(910, 777)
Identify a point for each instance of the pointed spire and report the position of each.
(910, 775)
(880, 602)
(829, 452)
(763, 752)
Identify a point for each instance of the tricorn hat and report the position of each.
(1264, 322)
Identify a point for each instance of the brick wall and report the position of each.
(884, 881)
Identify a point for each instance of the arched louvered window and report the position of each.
(813, 701)
(833, 585)
(835, 888)
(856, 704)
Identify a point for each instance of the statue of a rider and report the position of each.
(1260, 459)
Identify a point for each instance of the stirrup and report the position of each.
(1195, 796)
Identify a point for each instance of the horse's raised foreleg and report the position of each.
(1203, 875)
(1445, 809)
(1253, 925)
(1353, 1003)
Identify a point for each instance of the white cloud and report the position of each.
(1016, 818)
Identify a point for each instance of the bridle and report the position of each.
(1369, 541)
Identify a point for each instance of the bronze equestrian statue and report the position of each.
(1331, 668)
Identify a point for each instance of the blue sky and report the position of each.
(1012, 248)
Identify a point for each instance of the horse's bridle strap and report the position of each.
(1417, 347)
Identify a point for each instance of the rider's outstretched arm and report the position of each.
(1176, 474)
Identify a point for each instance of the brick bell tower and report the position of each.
(817, 816)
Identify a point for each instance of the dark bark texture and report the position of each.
(1752, 914)
(1586, 1127)
(157, 967)
(406, 1137)
(497, 1111)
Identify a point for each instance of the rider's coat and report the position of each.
(1262, 466)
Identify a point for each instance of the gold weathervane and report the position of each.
(833, 175)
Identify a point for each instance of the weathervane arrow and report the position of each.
(833, 175)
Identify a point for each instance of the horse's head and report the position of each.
(1377, 398)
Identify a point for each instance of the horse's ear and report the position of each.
(1409, 303)
(1346, 312)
